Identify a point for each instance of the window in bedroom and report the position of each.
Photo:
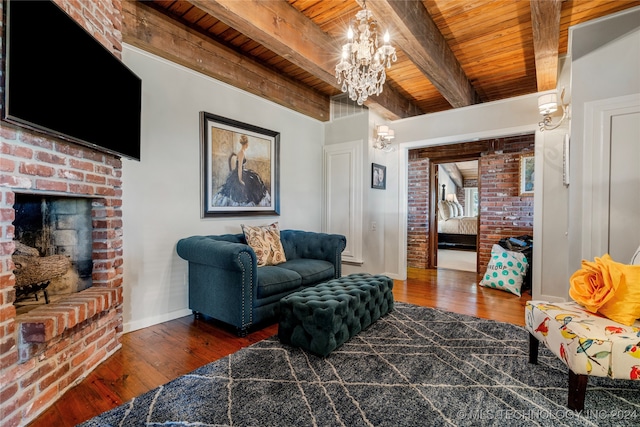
(471, 207)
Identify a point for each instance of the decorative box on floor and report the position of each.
(321, 318)
(587, 343)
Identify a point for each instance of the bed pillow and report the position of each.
(454, 209)
(444, 210)
(460, 208)
(265, 242)
(505, 271)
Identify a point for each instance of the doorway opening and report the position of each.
(503, 209)
(457, 215)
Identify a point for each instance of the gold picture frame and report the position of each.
(527, 174)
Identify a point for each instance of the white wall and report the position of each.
(605, 64)
(489, 120)
(450, 186)
(381, 254)
(608, 66)
(161, 193)
(385, 248)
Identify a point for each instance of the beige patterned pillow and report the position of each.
(265, 242)
(445, 211)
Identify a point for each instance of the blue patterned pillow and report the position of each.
(505, 271)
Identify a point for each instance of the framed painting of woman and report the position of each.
(240, 168)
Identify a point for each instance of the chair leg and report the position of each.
(533, 349)
(577, 390)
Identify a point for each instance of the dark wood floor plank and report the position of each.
(156, 355)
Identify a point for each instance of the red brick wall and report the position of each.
(503, 212)
(51, 348)
(418, 212)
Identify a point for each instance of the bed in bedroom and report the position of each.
(456, 231)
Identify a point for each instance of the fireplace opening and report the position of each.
(54, 247)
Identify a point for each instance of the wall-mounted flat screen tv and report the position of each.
(61, 81)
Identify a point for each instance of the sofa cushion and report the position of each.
(312, 270)
(273, 280)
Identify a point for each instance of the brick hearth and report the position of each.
(50, 349)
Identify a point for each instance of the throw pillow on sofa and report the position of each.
(265, 242)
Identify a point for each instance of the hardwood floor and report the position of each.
(154, 356)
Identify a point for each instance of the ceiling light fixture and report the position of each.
(547, 105)
(384, 136)
(361, 69)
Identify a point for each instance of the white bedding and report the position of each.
(459, 225)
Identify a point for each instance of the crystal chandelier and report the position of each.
(361, 68)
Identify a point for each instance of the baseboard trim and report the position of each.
(150, 321)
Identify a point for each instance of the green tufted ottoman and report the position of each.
(321, 318)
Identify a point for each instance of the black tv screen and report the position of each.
(61, 81)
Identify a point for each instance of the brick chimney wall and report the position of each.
(50, 349)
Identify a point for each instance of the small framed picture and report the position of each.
(378, 176)
(527, 174)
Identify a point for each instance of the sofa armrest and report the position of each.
(217, 253)
(312, 245)
(222, 279)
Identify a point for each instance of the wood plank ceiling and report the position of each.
(451, 53)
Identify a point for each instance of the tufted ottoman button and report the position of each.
(321, 318)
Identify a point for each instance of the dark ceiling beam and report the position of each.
(545, 22)
(154, 32)
(282, 29)
(419, 38)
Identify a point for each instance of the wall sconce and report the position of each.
(384, 136)
(547, 105)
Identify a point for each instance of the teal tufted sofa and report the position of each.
(226, 284)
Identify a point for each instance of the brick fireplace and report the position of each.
(54, 248)
(51, 348)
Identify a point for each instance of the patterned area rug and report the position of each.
(416, 366)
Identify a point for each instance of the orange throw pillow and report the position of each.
(609, 288)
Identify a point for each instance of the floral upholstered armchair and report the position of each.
(597, 334)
